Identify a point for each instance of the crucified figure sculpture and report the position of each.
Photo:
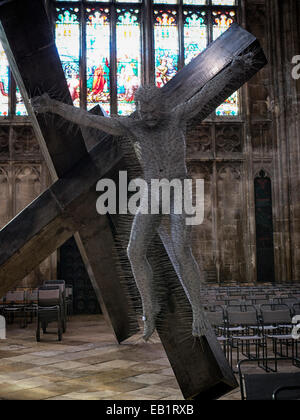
(159, 128)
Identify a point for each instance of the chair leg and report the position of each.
(59, 325)
(44, 326)
(38, 330)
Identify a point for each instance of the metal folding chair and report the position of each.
(50, 304)
(262, 386)
(62, 285)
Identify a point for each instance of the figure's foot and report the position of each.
(201, 325)
(149, 322)
(149, 327)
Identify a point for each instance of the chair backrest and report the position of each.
(69, 290)
(289, 300)
(60, 283)
(280, 316)
(216, 318)
(262, 386)
(296, 309)
(16, 297)
(242, 318)
(49, 296)
(32, 296)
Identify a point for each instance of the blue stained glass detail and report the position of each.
(4, 83)
(98, 58)
(67, 37)
(166, 45)
(128, 59)
(195, 34)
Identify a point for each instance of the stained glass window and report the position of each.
(128, 1)
(4, 83)
(223, 2)
(128, 58)
(222, 20)
(67, 42)
(98, 58)
(165, 1)
(166, 45)
(195, 2)
(20, 106)
(195, 33)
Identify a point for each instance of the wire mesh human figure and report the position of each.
(159, 129)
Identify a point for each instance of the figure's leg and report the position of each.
(190, 274)
(143, 229)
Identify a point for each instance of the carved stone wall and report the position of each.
(228, 155)
(23, 176)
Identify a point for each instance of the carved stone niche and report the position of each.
(261, 138)
(256, 20)
(198, 139)
(25, 143)
(4, 142)
(229, 139)
(5, 199)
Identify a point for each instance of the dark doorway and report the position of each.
(264, 228)
(72, 270)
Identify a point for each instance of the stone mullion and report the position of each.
(290, 42)
(214, 203)
(248, 179)
(280, 184)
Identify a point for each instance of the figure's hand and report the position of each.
(244, 61)
(41, 103)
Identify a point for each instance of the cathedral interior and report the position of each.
(247, 152)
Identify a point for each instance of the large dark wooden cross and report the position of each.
(67, 208)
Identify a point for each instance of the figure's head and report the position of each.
(150, 105)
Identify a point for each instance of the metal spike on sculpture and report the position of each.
(67, 207)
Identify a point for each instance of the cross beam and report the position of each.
(200, 368)
(36, 66)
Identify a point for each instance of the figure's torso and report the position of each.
(163, 149)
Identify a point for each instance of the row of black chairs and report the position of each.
(269, 327)
(51, 302)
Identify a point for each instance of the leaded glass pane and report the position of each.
(195, 2)
(166, 45)
(98, 58)
(128, 58)
(223, 2)
(222, 20)
(165, 1)
(20, 106)
(128, 1)
(67, 42)
(4, 83)
(195, 33)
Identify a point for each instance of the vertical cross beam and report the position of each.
(28, 40)
(200, 367)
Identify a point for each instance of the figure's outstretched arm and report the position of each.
(110, 125)
(201, 99)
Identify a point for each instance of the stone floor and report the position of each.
(86, 365)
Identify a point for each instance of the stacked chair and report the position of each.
(62, 286)
(50, 309)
